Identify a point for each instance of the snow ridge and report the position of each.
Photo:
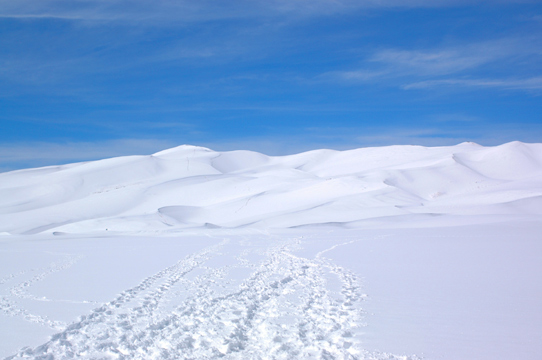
(196, 188)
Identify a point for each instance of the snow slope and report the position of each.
(374, 253)
(192, 187)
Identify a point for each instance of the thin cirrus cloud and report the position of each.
(115, 10)
(437, 62)
(420, 69)
(204, 10)
(162, 11)
(534, 83)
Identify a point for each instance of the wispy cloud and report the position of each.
(534, 83)
(157, 12)
(437, 62)
(164, 11)
(89, 56)
(428, 68)
(353, 76)
(42, 16)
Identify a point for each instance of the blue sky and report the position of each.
(89, 79)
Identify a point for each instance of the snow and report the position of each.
(375, 253)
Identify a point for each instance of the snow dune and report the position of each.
(192, 187)
(189, 253)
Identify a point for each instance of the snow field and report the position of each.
(244, 297)
(195, 254)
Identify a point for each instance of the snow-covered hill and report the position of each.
(194, 187)
(400, 252)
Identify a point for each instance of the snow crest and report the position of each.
(191, 187)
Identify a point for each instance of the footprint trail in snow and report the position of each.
(241, 301)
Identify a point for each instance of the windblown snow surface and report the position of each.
(400, 252)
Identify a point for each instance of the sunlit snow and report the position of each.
(400, 252)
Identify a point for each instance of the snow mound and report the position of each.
(193, 187)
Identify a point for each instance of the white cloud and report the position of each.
(454, 59)
(355, 76)
(428, 68)
(534, 83)
(431, 62)
(159, 12)
(164, 11)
